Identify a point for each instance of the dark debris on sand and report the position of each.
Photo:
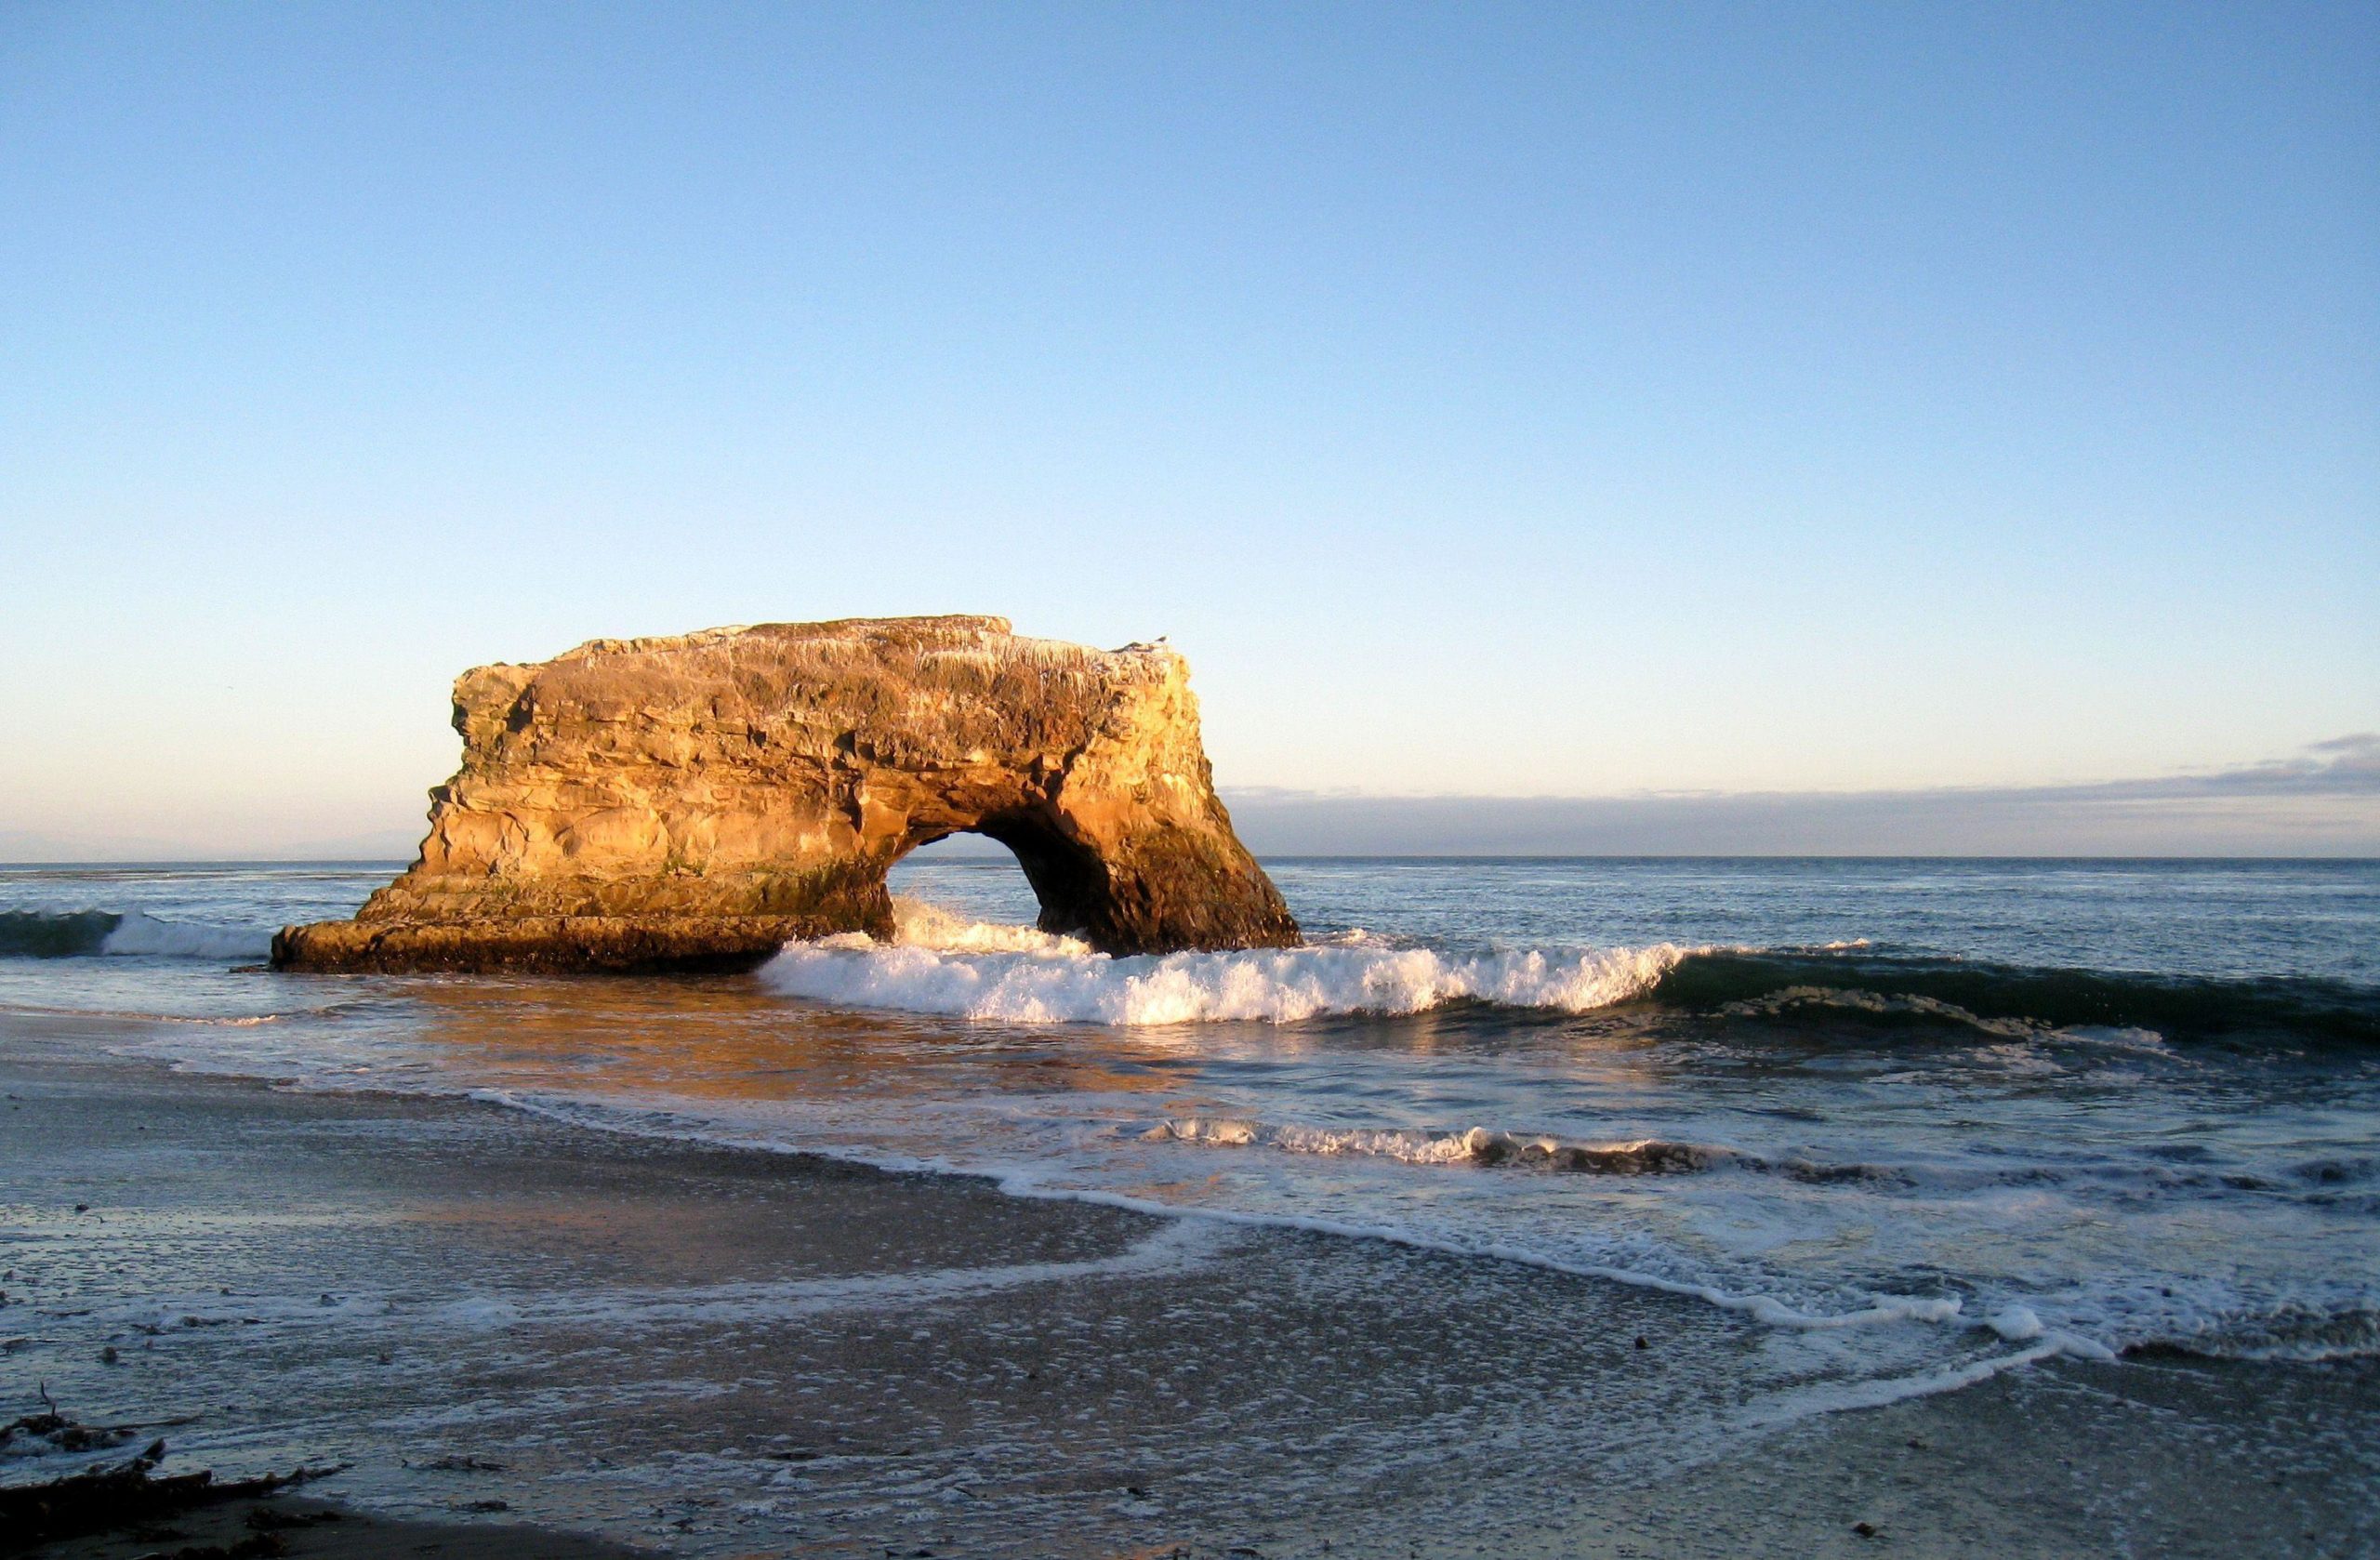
(125, 1511)
(121, 1495)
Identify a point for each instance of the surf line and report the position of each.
(1764, 1309)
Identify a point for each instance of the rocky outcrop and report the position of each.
(697, 801)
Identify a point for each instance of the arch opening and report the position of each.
(1015, 870)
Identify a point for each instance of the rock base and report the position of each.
(553, 945)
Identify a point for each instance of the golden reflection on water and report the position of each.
(726, 1037)
(890, 1080)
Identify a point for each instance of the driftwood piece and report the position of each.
(100, 1499)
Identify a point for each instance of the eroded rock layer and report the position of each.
(696, 800)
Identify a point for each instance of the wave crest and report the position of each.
(83, 933)
(938, 963)
(137, 933)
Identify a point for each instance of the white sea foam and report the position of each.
(940, 964)
(140, 933)
(916, 924)
(1881, 1392)
(1180, 1245)
(204, 1021)
(2018, 1324)
(1475, 1145)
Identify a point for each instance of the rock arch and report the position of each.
(696, 800)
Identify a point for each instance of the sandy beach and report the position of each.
(495, 1319)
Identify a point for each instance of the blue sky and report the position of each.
(1492, 401)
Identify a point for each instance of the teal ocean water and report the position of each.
(1924, 1118)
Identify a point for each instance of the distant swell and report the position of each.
(89, 934)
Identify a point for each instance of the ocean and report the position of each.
(1927, 1120)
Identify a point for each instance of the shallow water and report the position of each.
(1942, 1117)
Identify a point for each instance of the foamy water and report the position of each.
(1894, 1105)
(939, 962)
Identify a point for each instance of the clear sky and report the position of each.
(1571, 401)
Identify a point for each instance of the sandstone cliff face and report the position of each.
(698, 799)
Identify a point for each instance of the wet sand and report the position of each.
(500, 1320)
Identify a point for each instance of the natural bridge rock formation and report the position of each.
(698, 800)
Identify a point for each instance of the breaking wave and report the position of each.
(937, 963)
(89, 934)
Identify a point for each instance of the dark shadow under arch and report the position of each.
(1068, 880)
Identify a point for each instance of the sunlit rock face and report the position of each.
(696, 800)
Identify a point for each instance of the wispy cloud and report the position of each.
(2324, 802)
(2343, 766)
